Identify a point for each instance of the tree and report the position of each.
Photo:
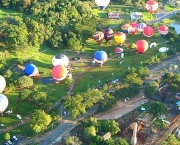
(167, 77)
(133, 78)
(90, 122)
(73, 140)
(157, 108)
(89, 132)
(7, 136)
(39, 121)
(25, 82)
(109, 126)
(74, 44)
(120, 141)
(171, 140)
(24, 94)
(151, 88)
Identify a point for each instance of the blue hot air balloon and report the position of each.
(102, 4)
(31, 70)
(100, 56)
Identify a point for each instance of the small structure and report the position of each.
(107, 136)
(136, 15)
(113, 15)
(177, 96)
(134, 137)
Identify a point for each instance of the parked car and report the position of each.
(143, 102)
(14, 139)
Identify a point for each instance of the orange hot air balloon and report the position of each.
(151, 6)
(120, 37)
(142, 46)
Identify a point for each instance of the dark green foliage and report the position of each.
(151, 88)
(25, 82)
(157, 108)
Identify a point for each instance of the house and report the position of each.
(177, 96)
(136, 15)
(113, 15)
(107, 136)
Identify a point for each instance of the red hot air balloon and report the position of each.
(118, 50)
(59, 72)
(142, 46)
(163, 30)
(151, 6)
(134, 26)
(108, 34)
(148, 31)
(120, 37)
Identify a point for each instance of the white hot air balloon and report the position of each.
(102, 4)
(2, 83)
(3, 103)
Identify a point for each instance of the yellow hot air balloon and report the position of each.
(120, 37)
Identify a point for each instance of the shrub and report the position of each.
(25, 82)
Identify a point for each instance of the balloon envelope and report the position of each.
(126, 28)
(134, 26)
(2, 83)
(118, 50)
(31, 70)
(100, 56)
(151, 6)
(3, 103)
(163, 30)
(59, 72)
(141, 27)
(98, 36)
(108, 34)
(102, 4)
(60, 59)
(120, 37)
(142, 46)
(148, 31)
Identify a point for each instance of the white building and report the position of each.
(136, 15)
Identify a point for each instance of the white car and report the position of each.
(143, 102)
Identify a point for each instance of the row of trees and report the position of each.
(107, 95)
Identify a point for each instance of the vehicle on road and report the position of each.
(143, 102)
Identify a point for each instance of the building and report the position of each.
(107, 136)
(136, 15)
(113, 15)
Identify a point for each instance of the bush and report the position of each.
(159, 124)
(25, 82)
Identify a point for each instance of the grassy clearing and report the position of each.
(7, 12)
(169, 8)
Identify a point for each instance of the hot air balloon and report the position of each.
(148, 31)
(60, 59)
(151, 6)
(141, 27)
(142, 46)
(98, 36)
(31, 70)
(100, 56)
(3, 103)
(134, 26)
(120, 37)
(59, 72)
(2, 83)
(118, 50)
(163, 30)
(102, 4)
(108, 34)
(126, 28)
